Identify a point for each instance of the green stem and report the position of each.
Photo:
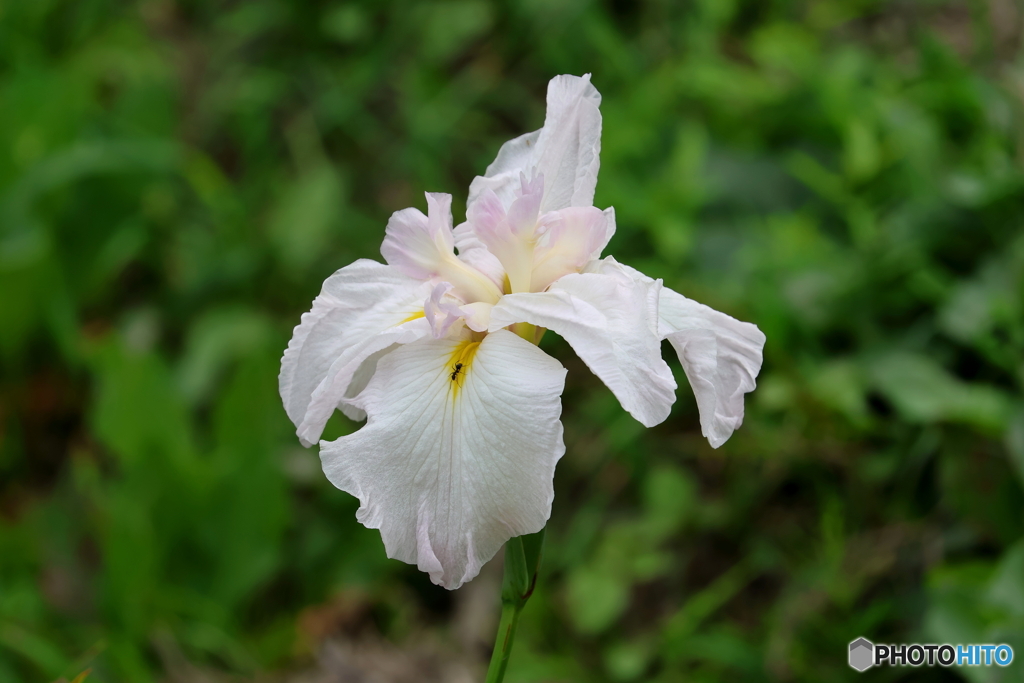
(522, 559)
(503, 643)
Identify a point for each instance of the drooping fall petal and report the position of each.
(359, 381)
(720, 355)
(611, 321)
(363, 308)
(449, 468)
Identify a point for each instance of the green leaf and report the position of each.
(924, 392)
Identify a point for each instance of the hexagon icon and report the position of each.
(862, 653)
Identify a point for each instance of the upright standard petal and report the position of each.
(720, 355)
(458, 452)
(566, 150)
(611, 321)
(362, 309)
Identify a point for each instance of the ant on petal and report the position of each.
(455, 373)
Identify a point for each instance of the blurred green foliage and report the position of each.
(178, 178)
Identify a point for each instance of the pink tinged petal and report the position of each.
(487, 220)
(439, 219)
(416, 244)
(469, 284)
(362, 309)
(569, 239)
(525, 209)
(441, 310)
(490, 223)
(720, 355)
(487, 264)
(407, 246)
(489, 215)
(445, 469)
(473, 252)
(422, 247)
(566, 150)
(510, 235)
(611, 323)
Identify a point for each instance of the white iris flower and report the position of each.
(437, 350)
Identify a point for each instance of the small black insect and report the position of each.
(455, 373)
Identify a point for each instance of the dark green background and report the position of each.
(178, 178)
